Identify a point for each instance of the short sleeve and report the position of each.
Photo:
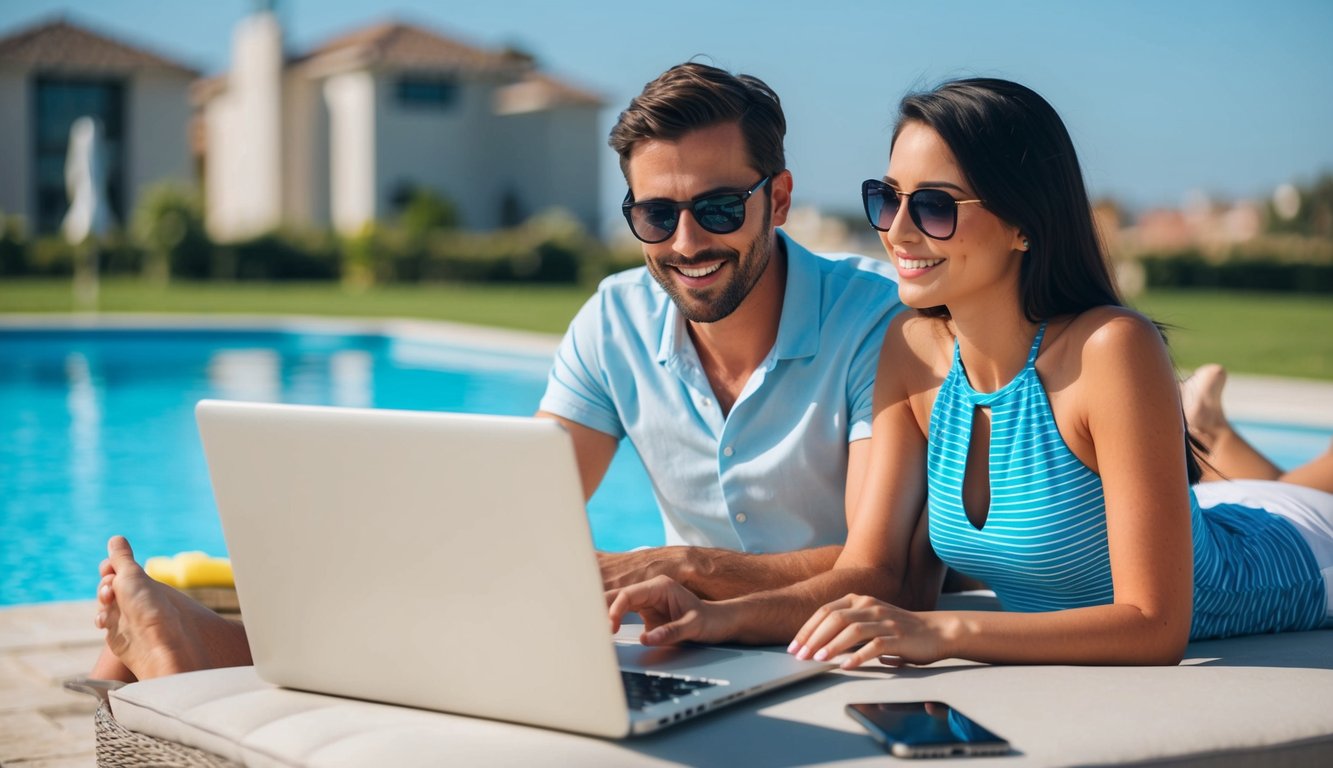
(576, 388)
(861, 378)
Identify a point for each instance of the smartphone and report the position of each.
(926, 729)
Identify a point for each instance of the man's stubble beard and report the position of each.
(748, 272)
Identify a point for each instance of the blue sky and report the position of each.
(1163, 97)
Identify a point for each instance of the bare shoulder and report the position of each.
(914, 360)
(918, 346)
(1109, 350)
(1114, 335)
(1109, 365)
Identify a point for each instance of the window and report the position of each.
(61, 101)
(427, 92)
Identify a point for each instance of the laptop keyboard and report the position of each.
(644, 689)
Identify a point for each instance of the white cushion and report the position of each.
(1249, 701)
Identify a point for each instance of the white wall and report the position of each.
(244, 195)
(552, 161)
(222, 174)
(352, 158)
(305, 153)
(157, 140)
(445, 149)
(573, 146)
(16, 147)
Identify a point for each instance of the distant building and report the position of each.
(55, 72)
(1202, 224)
(340, 135)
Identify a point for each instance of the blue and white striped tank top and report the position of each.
(1043, 544)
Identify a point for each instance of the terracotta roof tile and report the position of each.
(536, 92)
(59, 45)
(406, 46)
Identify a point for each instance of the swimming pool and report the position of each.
(97, 431)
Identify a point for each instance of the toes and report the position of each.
(118, 551)
(106, 590)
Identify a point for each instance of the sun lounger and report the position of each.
(1263, 701)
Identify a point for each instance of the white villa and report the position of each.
(55, 72)
(341, 134)
(337, 136)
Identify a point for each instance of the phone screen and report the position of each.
(926, 729)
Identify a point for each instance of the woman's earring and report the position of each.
(1025, 244)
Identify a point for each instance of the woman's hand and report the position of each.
(880, 629)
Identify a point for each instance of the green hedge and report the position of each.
(278, 256)
(547, 249)
(1291, 264)
(166, 238)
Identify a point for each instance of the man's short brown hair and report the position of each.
(691, 96)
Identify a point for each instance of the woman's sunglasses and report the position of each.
(933, 211)
(719, 212)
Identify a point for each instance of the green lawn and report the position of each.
(1274, 334)
(1281, 335)
(524, 307)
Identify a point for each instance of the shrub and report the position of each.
(50, 256)
(278, 256)
(168, 226)
(1295, 264)
(425, 211)
(13, 247)
(549, 248)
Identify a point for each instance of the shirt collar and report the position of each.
(798, 327)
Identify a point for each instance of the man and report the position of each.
(739, 364)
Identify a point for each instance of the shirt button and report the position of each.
(728, 451)
(740, 517)
(706, 403)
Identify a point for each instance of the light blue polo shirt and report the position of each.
(771, 476)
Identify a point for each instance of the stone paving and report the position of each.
(41, 724)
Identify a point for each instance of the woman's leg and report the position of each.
(1227, 455)
(1317, 474)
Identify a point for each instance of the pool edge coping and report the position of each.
(512, 340)
(1248, 397)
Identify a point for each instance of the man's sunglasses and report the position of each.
(719, 212)
(933, 211)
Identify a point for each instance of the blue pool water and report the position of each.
(97, 434)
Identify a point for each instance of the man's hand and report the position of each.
(712, 573)
(671, 613)
(622, 569)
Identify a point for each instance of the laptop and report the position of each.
(443, 561)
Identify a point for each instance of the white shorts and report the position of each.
(1311, 511)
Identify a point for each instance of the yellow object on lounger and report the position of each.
(190, 570)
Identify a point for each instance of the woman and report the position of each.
(1056, 468)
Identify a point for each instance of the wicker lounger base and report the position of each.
(118, 747)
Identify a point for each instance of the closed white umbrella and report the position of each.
(88, 217)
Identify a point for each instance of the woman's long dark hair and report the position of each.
(1017, 156)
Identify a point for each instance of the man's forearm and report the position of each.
(720, 574)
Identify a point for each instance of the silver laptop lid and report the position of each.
(425, 559)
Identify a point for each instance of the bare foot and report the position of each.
(1201, 397)
(154, 630)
